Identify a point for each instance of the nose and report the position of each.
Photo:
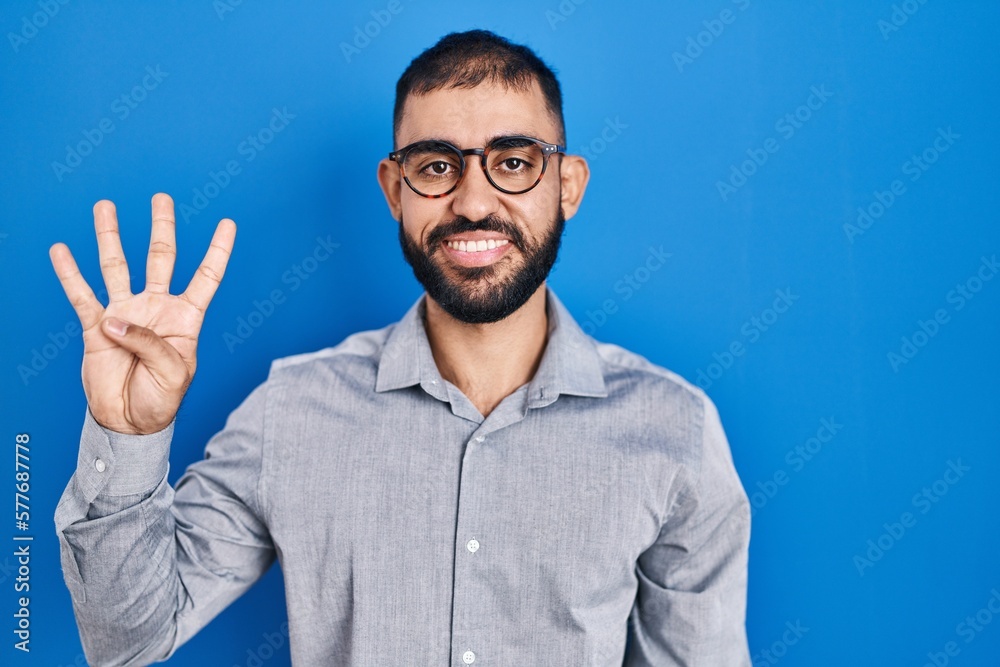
(474, 198)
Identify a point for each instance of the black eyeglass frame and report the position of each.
(399, 157)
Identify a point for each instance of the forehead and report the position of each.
(468, 117)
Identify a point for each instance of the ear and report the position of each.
(574, 174)
(390, 182)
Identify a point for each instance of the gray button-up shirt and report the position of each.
(597, 507)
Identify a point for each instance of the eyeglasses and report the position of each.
(512, 165)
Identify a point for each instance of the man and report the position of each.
(479, 483)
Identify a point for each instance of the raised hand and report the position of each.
(139, 352)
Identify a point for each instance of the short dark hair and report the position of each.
(466, 59)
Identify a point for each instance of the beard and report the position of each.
(483, 294)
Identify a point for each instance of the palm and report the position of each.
(135, 384)
(121, 377)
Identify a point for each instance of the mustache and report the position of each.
(491, 223)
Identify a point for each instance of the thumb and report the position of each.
(162, 360)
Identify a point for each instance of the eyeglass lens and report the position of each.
(512, 164)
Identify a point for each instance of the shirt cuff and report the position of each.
(118, 464)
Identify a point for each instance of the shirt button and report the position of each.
(480, 438)
(472, 545)
(468, 657)
(100, 465)
(434, 381)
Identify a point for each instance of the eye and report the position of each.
(437, 168)
(515, 157)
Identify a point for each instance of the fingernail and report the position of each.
(117, 327)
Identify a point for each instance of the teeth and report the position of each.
(477, 246)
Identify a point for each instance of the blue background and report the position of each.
(662, 130)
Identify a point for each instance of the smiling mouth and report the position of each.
(477, 248)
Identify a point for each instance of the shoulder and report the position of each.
(673, 411)
(622, 365)
(357, 356)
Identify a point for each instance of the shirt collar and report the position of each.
(570, 363)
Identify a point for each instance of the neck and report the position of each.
(488, 362)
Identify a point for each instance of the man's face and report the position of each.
(475, 285)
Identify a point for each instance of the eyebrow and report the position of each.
(490, 140)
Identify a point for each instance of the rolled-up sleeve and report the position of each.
(148, 565)
(690, 607)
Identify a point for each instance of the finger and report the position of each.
(114, 268)
(161, 358)
(162, 245)
(206, 279)
(80, 296)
